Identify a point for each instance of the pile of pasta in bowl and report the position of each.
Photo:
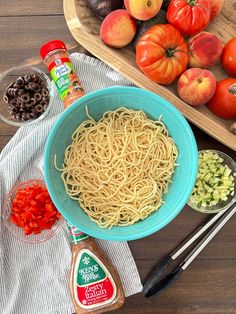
(120, 163)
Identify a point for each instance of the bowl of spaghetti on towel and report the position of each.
(120, 163)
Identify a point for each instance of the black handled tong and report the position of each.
(156, 283)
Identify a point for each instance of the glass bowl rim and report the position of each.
(49, 86)
(5, 215)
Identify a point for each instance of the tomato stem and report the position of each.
(232, 89)
(170, 52)
(192, 2)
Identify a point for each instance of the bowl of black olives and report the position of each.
(26, 95)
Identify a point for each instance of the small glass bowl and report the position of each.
(7, 78)
(231, 198)
(17, 231)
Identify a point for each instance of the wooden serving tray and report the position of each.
(84, 27)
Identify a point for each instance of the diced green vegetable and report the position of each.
(215, 181)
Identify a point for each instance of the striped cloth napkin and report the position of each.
(34, 277)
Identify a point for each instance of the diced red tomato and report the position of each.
(33, 210)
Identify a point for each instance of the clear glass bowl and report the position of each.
(7, 78)
(17, 231)
(231, 199)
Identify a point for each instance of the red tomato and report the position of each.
(228, 57)
(162, 54)
(189, 16)
(33, 210)
(223, 103)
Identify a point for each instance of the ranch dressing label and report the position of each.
(93, 283)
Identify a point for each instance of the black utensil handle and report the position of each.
(165, 282)
(156, 273)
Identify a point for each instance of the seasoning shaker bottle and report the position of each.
(56, 57)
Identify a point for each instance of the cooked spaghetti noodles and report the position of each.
(119, 167)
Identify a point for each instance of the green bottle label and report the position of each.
(65, 78)
(89, 270)
(75, 234)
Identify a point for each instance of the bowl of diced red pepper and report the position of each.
(29, 213)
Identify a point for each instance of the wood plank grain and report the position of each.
(205, 288)
(167, 239)
(29, 7)
(23, 37)
(4, 139)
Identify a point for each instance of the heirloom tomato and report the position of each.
(162, 54)
(189, 16)
(228, 57)
(223, 103)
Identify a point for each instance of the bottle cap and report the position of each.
(50, 46)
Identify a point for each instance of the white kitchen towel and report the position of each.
(34, 277)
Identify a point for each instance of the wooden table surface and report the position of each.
(209, 284)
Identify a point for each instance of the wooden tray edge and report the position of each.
(101, 51)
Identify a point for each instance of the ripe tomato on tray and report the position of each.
(162, 54)
(228, 57)
(223, 103)
(189, 16)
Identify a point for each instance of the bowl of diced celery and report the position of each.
(215, 187)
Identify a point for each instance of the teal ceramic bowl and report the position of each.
(99, 102)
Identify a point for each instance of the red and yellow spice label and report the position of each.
(93, 283)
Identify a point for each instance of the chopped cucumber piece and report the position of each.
(215, 181)
(227, 172)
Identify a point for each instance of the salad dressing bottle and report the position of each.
(95, 286)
